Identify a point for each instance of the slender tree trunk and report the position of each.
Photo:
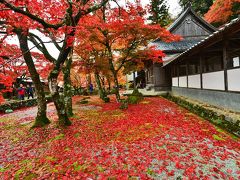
(102, 80)
(116, 86)
(41, 119)
(57, 99)
(102, 92)
(109, 84)
(68, 86)
(115, 78)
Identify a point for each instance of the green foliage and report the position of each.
(8, 111)
(124, 105)
(199, 6)
(106, 99)
(235, 10)
(159, 13)
(58, 137)
(135, 97)
(216, 137)
(210, 115)
(113, 91)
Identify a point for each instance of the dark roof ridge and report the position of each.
(184, 14)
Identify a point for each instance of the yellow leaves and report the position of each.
(145, 102)
(216, 137)
(58, 137)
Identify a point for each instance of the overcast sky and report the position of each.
(174, 7)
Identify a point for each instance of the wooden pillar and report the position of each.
(178, 73)
(201, 71)
(134, 80)
(225, 63)
(187, 71)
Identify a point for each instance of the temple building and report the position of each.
(204, 66)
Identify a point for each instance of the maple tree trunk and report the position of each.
(115, 78)
(116, 87)
(41, 118)
(67, 93)
(57, 99)
(102, 92)
(109, 84)
(116, 84)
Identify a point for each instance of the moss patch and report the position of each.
(208, 114)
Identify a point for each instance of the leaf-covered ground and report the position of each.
(155, 139)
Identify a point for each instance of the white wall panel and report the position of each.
(194, 81)
(214, 80)
(234, 79)
(175, 81)
(183, 81)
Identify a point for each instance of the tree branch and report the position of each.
(31, 16)
(42, 47)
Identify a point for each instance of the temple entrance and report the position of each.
(140, 80)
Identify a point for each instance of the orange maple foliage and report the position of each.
(114, 37)
(221, 11)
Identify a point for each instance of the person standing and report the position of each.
(21, 92)
(29, 91)
(91, 88)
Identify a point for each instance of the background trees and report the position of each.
(58, 20)
(200, 6)
(120, 36)
(159, 13)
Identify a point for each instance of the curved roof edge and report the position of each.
(235, 23)
(184, 14)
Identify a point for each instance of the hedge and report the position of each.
(20, 104)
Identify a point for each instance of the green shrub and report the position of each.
(135, 97)
(106, 99)
(113, 91)
(124, 105)
(20, 104)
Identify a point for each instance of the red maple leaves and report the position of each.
(152, 139)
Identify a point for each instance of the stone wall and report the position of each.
(226, 100)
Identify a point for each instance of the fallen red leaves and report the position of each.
(154, 139)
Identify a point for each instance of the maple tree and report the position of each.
(11, 66)
(159, 13)
(58, 20)
(122, 35)
(223, 11)
(93, 60)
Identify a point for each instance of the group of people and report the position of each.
(25, 91)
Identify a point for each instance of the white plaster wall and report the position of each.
(175, 81)
(194, 81)
(183, 81)
(214, 80)
(130, 76)
(234, 79)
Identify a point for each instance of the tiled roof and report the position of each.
(207, 39)
(179, 46)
